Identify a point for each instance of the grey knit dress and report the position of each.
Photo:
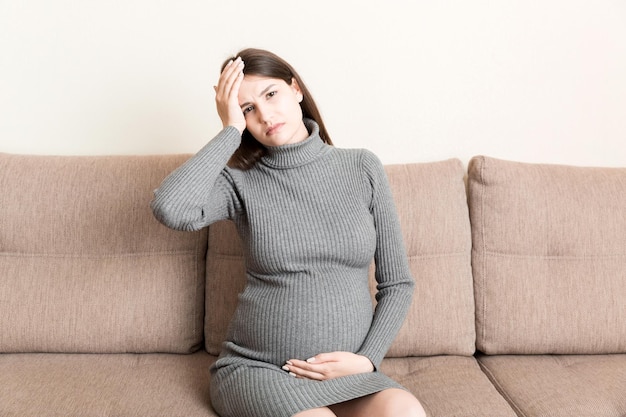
(311, 217)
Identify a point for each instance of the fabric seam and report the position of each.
(494, 381)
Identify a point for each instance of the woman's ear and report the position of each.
(296, 89)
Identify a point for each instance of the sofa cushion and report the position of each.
(150, 385)
(84, 265)
(449, 386)
(560, 386)
(432, 206)
(549, 257)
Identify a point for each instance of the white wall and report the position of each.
(423, 80)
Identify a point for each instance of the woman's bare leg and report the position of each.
(391, 402)
(316, 412)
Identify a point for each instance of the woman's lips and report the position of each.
(274, 129)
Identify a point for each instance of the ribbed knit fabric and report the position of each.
(311, 217)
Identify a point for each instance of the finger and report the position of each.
(229, 76)
(299, 364)
(224, 74)
(234, 72)
(226, 96)
(324, 357)
(305, 368)
(228, 69)
(296, 365)
(234, 91)
(298, 372)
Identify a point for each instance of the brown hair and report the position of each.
(267, 64)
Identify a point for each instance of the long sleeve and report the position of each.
(202, 190)
(395, 282)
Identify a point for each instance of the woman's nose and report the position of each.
(263, 113)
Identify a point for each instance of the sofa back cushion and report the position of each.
(85, 267)
(432, 206)
(549, 257)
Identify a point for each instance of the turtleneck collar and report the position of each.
(296, 154)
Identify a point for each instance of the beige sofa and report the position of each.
(105, 312)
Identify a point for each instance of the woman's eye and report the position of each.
(271, 94)
(247, 110)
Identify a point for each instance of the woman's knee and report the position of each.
(316, 412)
(391, 402)
(403, 404)
(415, 410)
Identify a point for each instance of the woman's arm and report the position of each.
(203, 190)
(395, 282)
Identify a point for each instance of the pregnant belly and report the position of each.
(274, 323)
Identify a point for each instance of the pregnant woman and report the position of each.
(305, 340)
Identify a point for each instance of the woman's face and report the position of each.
(272, 110)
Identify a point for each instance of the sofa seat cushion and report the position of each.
(432, 207)
(42, 385)
(448, 386)
(561, 385)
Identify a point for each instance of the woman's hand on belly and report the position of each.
(329, 365)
